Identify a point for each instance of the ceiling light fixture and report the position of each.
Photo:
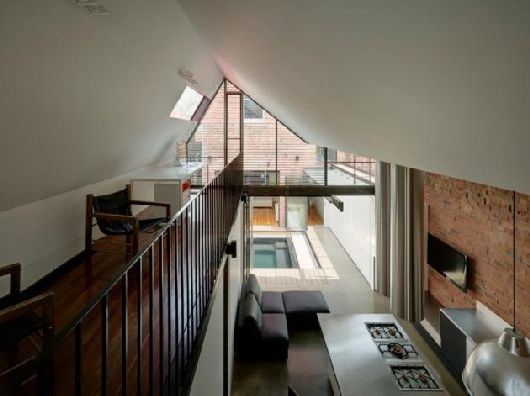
(500, 367)
(91, 7)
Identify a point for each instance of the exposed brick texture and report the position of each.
(478, 220)
(522, 268)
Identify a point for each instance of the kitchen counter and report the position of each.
(472, 324)
(358, 368)
(167, 171)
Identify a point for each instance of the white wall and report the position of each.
(208, 380)
(86, 98)
(355, 229)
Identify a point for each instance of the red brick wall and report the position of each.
(259, 142)
(478, 220)
(522, 268)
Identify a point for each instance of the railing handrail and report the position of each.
(89, 306)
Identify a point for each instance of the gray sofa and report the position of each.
(264, 318)
(260, 335)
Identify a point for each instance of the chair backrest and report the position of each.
(117, 203)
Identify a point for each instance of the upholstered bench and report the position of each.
(302, 307)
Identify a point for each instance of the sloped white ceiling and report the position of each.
(84, 98)
(439, 85)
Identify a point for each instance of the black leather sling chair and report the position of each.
(113, 214)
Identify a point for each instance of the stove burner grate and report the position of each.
(414, 378)
(383, 330)
(394, 350)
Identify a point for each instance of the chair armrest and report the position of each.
(153, 203)
(14, 270)
(113, 217)
(44, 301)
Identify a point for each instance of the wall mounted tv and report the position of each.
(447, 261)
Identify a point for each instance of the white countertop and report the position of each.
(359, 367)
(167, 171)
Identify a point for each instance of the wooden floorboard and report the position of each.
(267, 216)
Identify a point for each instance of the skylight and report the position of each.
(187, 105)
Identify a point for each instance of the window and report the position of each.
(190, 106)
(253, 111)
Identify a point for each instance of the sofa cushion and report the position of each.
(254, 287)
(274, 328)
(304, 301)
(272, 302)
(252, 317)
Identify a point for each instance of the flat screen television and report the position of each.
(447, 261)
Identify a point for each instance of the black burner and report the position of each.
(384, 331)
(394, 350)
(414, 378)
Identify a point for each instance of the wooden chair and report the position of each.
(23, 320)
(113, 214)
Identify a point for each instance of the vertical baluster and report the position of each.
(124, 331)
(182, 292)
(78, 358)
(188, 293)
(198, 253)
(201, 250)
(104, 343)
(197, 263)
(169, 312)
(139, 324)
(161, 312)
(151, 320)
(191, 297)
(208, 249)
(177, 321)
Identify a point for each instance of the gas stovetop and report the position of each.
(380, 331)
(397, 350)
(404, 361)
(416, 377)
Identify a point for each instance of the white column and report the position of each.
(382, 214)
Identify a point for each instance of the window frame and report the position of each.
(246, 99)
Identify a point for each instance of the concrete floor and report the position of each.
(306, 369)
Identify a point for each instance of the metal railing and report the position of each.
(171, 280)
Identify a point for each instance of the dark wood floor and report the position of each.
(77, 288)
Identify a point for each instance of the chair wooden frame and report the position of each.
(44, 302)
(132, 239)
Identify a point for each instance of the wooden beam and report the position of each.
(308, 190)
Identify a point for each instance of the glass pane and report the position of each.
(187, 104)
(234, 120)
(350, 169)
(260, 150)
(297, 213)
(233, 149)
(207, 142)
(298, 162)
